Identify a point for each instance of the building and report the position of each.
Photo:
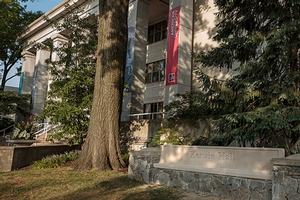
(162, 35)
(13, 89)
(12, 116)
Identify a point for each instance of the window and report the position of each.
(157, 32)
(154, 110)
(155, 71)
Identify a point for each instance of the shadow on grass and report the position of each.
(66, 184)
(122, 188)
(4, 187)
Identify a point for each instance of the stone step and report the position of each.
(43, 138)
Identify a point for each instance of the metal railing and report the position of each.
(43, 128)
(4, 130)
(154, 115)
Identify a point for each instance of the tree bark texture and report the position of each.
(101, 149)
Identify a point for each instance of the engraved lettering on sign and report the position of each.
(226, 156)
(213, 156)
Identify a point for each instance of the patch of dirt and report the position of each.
(25, 168)
(124, 170)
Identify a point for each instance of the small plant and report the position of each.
(166, 136)
(125, 158)
(55, 161)
(24, 130)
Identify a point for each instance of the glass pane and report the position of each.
(147, 108)
(160, 107)
(164, 24)
(162, 65)
(164, 31)
(150, 30)
(164, 34)
(157, 27)
(157, 37)
(162, 70)
(162, 75)
(156, 67)
(154, 107)
(155, 76)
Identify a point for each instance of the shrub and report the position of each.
(125, 158)
(55, 161)
(166, 136)
(24, 130)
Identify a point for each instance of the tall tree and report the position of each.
(69, 99)
(101, 149)
(260, 40)
(14, 19)
(11, 103)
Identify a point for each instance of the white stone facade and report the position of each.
(194, 33)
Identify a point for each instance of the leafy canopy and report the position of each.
(71, 90)
(11, 103)
(260, 105)
(14, 19)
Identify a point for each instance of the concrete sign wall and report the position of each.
(233, 161)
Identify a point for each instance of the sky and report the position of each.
(44, 6)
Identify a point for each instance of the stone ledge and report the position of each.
(285, 161)
(263, 175)
(15, 157)
(146, 151)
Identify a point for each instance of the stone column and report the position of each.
(28, 69)
(141, 162)
(185, 44)
(133, 101)
(40, 81)
(58, 41)
(286, 177)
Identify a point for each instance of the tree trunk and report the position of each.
(101, 149)
(4, 77)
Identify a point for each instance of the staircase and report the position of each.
(7, 130)
(44, 130)
(5, 134)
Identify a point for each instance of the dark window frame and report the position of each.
(156, 108)
(155, 71)
(157, 32)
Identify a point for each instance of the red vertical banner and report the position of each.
(172, 49)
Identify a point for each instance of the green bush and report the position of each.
(218, 140)
(24, 130)
(5, 122)
(125, 158)
(166, 136)
(54, 161)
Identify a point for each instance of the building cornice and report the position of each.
(54, 14)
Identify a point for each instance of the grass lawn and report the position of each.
(66, 183)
